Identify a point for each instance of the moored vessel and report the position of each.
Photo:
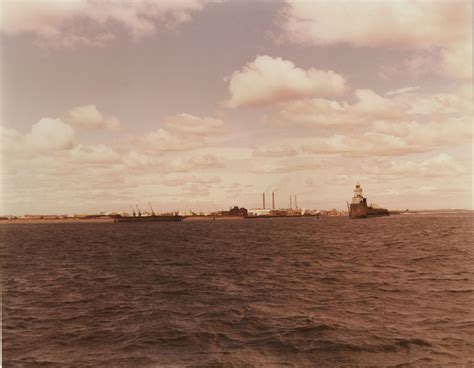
(358, 208)
(150, 217)
(154, 218)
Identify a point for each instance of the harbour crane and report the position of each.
(151, 208)
(133, 211)
(139, 212)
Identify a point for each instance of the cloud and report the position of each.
(453, 61)
(281, 167)
(233, 188)
(457, 60)
(443, 43)
(143, 162)
(89, 118)
(163, 140)
(51, 134)
(392, 139)
(417, 65)
(368, 107)
(54, 142)
(444, 132)
(49, 178)
(182, 132)
(371, 104)
(43, 18)
(12, 141)
(134, 159)
(96, 155)
(205, 161)
(437, 103)
(193, 179)
(283, 150)
(378, 24)
(368, 144)
(193, 125)
(196, 190)
(442, 164)
(402, 90)
(267, 80)
(436, 166)
(92, 23)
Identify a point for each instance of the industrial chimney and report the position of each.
(296, 203)
(273, 200)
(291, 203)
(263, 197)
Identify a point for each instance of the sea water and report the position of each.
(282, 292)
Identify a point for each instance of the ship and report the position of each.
(155, 218)
(150, 217)
(359, 208)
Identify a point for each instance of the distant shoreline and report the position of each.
(202, 218)
(108, 220)
(56, 221)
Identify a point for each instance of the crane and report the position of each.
(133, 211)
(138, 209)
(151, 208)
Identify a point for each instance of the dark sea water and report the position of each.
(334, 292)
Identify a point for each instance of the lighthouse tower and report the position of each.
(358, 197)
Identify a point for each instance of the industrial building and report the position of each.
(291, 211)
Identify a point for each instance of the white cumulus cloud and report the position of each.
(267, 80)
(89, 118)
(51, 134)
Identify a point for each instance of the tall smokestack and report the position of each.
(263, 197)
(273, 200)
(291, 203)
(296, 203)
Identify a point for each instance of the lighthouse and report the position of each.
(358, 197)
(359, 209)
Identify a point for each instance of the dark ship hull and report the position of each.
(361, 210)
(164, 218)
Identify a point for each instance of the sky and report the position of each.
(204, 105)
